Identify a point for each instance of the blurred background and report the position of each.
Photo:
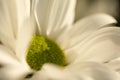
(87, 7)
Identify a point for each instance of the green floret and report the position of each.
(43, 50)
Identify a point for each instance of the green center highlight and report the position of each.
(43, 50)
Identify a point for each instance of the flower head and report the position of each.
(41, 41)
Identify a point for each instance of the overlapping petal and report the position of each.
(7, 56)
(12, 15)
(73, 40)
(10, 66)
(114, 64)
(54, 15)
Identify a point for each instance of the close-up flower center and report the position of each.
(43, 50)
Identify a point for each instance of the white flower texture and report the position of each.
(91, 45)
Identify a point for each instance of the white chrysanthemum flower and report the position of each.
(48, 45)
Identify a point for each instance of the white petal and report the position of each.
(18, 11)
(24, 37)
(83, 28)
(54, 15)
(93, 70)
(23, 11)
(6, 13)
(15, 12)
(102, 46)
(14, 72)
(47, 72)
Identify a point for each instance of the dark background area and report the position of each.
(118, 13)
(88, 7)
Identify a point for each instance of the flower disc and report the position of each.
(43, 50)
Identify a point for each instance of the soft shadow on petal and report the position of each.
(23, 12)
(114, 64)
(15, 12)
(47, 72)
(54, 15)
(8, 15)
(6, 28)
(93, 70)
(79, 71)
(53, 72)
(7, 56)
(7, 40)
(84, 28)
(102, 46)
(12, 15)
(14, 72)
(24, 37)
(11, 68)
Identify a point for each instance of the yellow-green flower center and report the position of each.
(43, 50)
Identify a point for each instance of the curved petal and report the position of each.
(93, 70)
(54, 15)
(84, 28)
(102, 46)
